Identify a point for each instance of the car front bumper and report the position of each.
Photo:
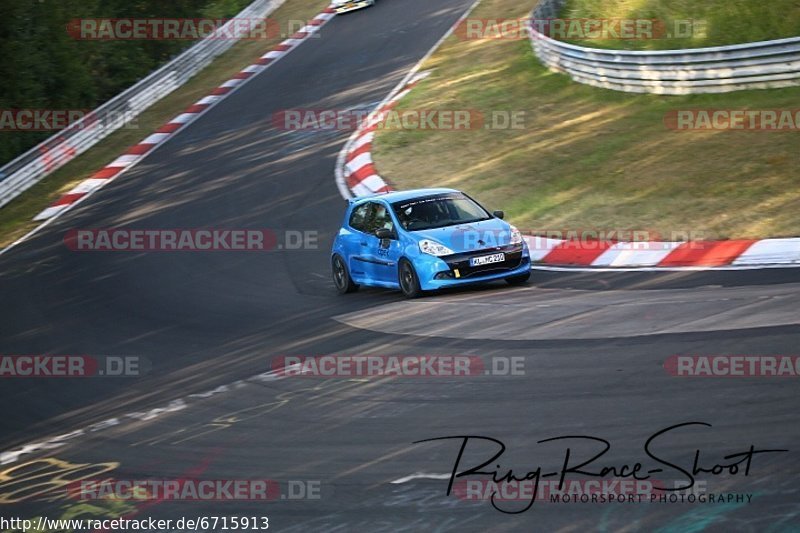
(440, 272)
(352, 6)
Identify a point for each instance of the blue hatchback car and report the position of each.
(424, 240)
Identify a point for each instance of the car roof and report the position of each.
(399, 196)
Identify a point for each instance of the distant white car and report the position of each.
(343, 6)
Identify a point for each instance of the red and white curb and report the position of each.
(357, 170)
(145, 147)
(356, 175)
(664, 255)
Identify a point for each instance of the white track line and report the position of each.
(412, 477)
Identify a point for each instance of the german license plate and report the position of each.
(487, 260)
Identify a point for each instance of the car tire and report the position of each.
(341, 276)
(521, 279)
(408, 279)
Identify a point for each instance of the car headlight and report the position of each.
(434, 248)
(516, 236)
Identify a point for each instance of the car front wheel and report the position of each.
(409, 282)
(341, 277)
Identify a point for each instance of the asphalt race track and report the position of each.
(593, 345)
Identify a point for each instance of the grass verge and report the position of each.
(591, 158)
(16, 217)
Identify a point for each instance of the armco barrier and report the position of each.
(759, 65)
(29, 168)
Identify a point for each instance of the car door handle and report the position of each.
(363, 243)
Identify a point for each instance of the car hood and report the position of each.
(484, 235)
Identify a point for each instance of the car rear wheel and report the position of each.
(519, 280)
(409, 282)
(341, 277)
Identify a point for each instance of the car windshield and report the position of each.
(438, 211)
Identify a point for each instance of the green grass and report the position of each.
(717, 22)
(16, 217)
(591, 158)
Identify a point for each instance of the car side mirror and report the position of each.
(385, 235)
(499, 214)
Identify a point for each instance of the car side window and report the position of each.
(359, 217)
(380, 219)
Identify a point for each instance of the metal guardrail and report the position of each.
(29, 168)
(758, 65)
